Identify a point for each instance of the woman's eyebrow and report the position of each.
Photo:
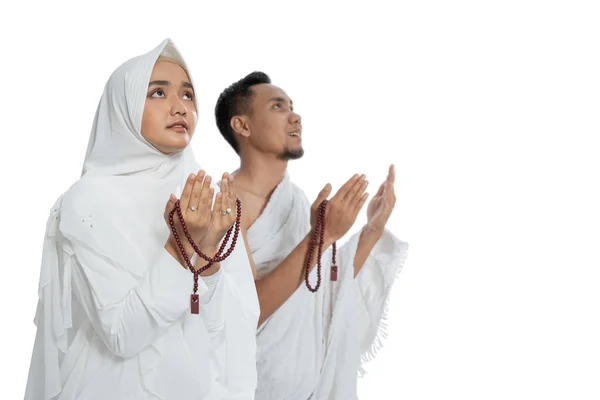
(160, 83)
(168, 83)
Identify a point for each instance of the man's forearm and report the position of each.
(366, 243)
(275, 288)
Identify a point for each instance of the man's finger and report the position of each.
(361, 191)
(392, 174)
(390, 193)
(381, 189)
(341, 193)
(361, 203)
(354, 189)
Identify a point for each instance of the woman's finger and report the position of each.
(232, 195)
(170, 205)
(225, 190)
(196, 191)
(218, 206)
(187, 191)
(205, 195)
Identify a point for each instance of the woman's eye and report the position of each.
(277, 105)
(158, 93)
(188, 96)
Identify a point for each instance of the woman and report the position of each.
(114, 318)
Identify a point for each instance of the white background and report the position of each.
(489, 111)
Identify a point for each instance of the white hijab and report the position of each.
(131, 178)
(124, 187)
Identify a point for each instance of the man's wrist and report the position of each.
(327, 240)
(373, 231)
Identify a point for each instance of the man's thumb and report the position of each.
(323, 194)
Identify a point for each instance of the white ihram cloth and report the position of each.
(314, 345)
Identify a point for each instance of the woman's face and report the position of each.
(170, 115)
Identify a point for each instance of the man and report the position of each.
(310, 345)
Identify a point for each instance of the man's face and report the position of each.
(274, 126)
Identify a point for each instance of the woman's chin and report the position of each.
(175, 144)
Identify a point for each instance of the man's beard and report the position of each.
(291, 154)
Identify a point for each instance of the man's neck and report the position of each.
(260, 174)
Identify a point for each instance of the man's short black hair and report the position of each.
(235, 100)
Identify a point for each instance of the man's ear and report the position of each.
(239, 125)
